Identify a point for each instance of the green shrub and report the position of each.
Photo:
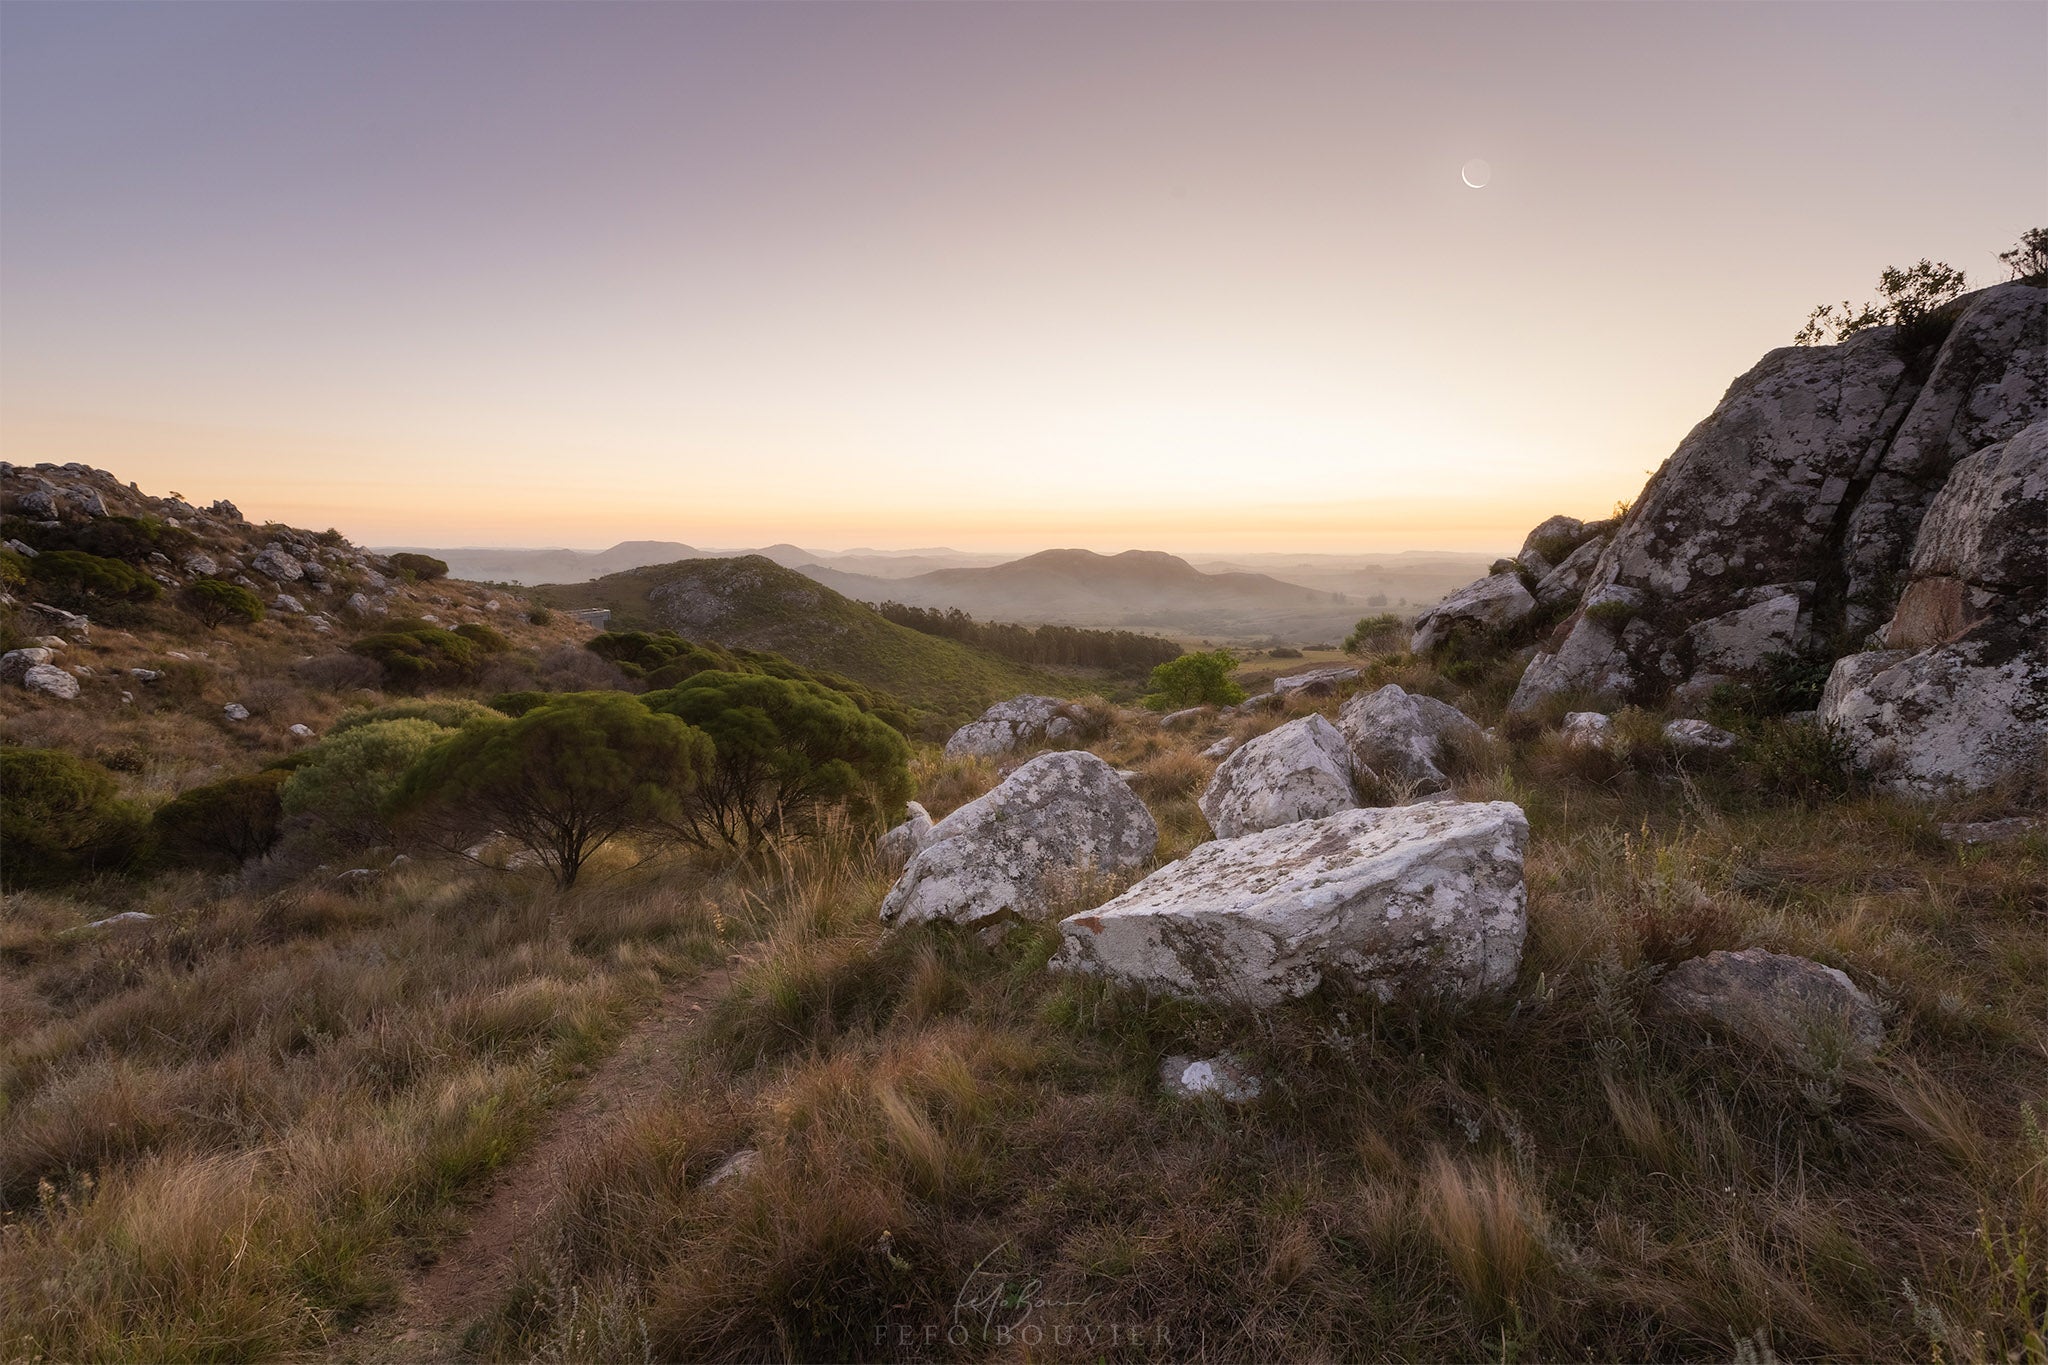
(13, 570)
(1613, 614)
(73, 578)
(222, 825)
(1385, 631)
(340, 790)
(483, 637)
(450, 713)
(561, 780)
(539, 616)
(1806, 761)
(133, 539)
(216, 602)
(1196, 679)
(519, 703)
(787, 752)
(61, 819)
(414, 654)
(418, 568)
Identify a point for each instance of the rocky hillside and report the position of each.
(1873, 513)
(1135, 589)
(751, 602)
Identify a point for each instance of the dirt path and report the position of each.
(439, 1304)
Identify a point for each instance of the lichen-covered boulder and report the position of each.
(16, 662)
(1494, 602)
(1399, 735)
(1299, 771)
(1793, 1006)
(1566, 583)
(1406, 903)
(1015, 724)
(897, 846)
(50, 681)
(996, 857)
(272, 562)
(1317, 682)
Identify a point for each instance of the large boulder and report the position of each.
(1407, 903)
(1493, 603)
(1793, 1006)
(1018, 723)
(998, 856)
(272, 562)
(1317, 682)
(1399, 735)
(50, 681)
(1961, 700)
(1299, 771)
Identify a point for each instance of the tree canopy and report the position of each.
(1198, 679)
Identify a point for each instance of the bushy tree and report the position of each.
(1906, 297)
(1383, 631)
(449, 713)
(414, 654)
(561, 780)
(221, 825)
(787, 751)
(88, 581)
(1195, 679)
(216, 602)
(419, 568)
(2030, 257)
(61, 818)
(341, 787)
(483, 637)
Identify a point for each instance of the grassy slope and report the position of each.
(757, 604)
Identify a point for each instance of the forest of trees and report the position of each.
(1121, 651)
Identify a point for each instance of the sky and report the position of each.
(994, 276)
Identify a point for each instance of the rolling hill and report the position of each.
(754, 603)
(1136, 589)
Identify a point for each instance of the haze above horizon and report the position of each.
(997, 277)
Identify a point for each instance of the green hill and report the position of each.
(754, 603)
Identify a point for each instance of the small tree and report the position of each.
(339, 790)
(221, 825)
(787, 750)
(419, 568)
(61, 819)
(561, 780)
(2030, 257)
(414, 654)
(1375, 633)
(1196, 679)
(216, 602)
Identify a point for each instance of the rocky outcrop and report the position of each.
(1400, 736)
(1566, 584)
(1793, 1006)
(999, 856)
(1410, 903)
(1493, 603)
(1019, 723)
(1783, 522)
(1299, 771)
(1960, 701)
(1317, 682)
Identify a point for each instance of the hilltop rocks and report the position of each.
(50, 681)
(1788, 1005)
(993, 858)
(1414, 902)
(1318, 682)
(1299, 771)
(1017, 723)
(1493, 602)
(272, 562)
(899, 845)
(1400, 735)
(1962, 698)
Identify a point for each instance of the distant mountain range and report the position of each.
(1292, 598)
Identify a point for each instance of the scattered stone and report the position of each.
(1175, 720)
(1697, 736)
(1403, 903)
(1790, 1005)
(357, 604)
(1399, 735)
(64, 622)
(1017, 723)
(1317, 682)
(286, 602)
(1058, 815)
(1493, 602)
(125, 917)
(1587, 730)
(896, 847)
(25, 550)
(738, 1166)
(491, 605)
(38, 504)
(1300, 771)
(147, 675)
(50, 681)
(1228, 1077)
(1991, 831)
(16, 662)
(1221, 748)
(234, 710)
(273, 562)
(300, 731)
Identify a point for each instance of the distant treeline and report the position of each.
(1122, 651)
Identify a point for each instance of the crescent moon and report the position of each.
(1476, 173)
